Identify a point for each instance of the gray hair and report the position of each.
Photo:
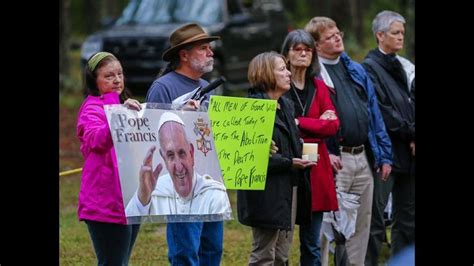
(301, 37)
(174, 61)
(384, 19)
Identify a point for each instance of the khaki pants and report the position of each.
(324, 250)
(355, 177)
(272, 246)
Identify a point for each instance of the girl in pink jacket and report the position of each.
(100, 196)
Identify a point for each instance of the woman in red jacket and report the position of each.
(316, 118)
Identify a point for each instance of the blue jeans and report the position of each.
(309, 241)
(196, 243)
(113, 243)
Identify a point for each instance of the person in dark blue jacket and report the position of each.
(362, 146)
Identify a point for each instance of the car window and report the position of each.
(267, 5)
(149, 12)
(143, 12)
(204, 12)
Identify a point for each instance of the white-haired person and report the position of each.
(393, 77)
(189, 57)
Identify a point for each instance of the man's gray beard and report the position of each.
(202, 68)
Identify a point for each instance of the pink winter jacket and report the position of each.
(100, 196)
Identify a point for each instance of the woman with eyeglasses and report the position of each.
(316, 118)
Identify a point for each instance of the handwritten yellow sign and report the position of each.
(242, 129)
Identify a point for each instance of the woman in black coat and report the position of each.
(271, 212)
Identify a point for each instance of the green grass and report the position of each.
(150, 247)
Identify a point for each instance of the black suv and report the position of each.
(140, 35)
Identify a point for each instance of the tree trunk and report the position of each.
(321, 8)
(357, 25)
(410, 29)
(92, 13)
(289, 5)
(64, 40)
(111, 8)
(341, 13)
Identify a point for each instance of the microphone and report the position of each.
(199, 92)
(213, 85)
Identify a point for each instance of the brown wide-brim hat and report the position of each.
(184, 35)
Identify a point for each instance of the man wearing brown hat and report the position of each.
(190, 56)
